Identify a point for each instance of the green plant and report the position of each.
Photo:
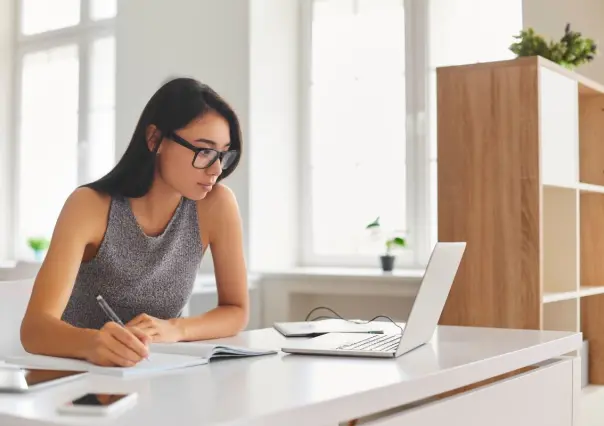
(38, 244)
(570, 51)
(392, 242)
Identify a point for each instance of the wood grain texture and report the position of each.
(592, 239)
(591, 139)
(592, 322)
(489, 192)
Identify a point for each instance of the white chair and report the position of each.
(14, 297)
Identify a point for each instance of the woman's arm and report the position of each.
(221, 216)
(82, 219)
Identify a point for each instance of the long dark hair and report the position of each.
(172, 107)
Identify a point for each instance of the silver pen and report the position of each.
(110, 313)
(107, 309)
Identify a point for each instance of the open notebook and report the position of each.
(207, 350)
(163, 357)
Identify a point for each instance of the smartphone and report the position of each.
(99, 404)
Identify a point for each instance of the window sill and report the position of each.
(341, 273)
(206, 283)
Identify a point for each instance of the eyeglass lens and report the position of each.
(205, 157)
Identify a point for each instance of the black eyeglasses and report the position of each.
(205, 157)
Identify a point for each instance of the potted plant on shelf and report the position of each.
(571, 51)
(38, 245)
(395, 241)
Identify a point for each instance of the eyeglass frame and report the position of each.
(183, 142)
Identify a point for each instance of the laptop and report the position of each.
(420, 326)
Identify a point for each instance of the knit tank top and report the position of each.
(136, 273)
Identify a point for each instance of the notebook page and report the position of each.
(206, 350)
(157, 362)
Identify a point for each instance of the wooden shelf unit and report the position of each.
(521, 179)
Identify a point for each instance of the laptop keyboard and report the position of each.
(374, 343)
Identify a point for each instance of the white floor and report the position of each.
(592, 403)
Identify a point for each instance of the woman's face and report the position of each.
(175, 161)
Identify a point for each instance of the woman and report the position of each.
(137, 235)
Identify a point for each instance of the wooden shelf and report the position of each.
(592, 238)
(585, 291)
(592, 318)
(551, 297)
(522, 182)
(588, 187)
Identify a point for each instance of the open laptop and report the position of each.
(419, 328)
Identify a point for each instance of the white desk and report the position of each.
(297, 390)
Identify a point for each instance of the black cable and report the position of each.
(344, 319)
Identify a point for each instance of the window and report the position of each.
(356, 168)
(369, 125)
(65, 107)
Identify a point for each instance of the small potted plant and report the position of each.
(38, 245)
(387, 258)
(571, 51)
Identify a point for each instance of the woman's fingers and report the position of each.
(131, 347)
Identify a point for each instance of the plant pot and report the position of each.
(38, 255)
(387, 262)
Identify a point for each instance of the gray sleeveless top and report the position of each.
(136, 273)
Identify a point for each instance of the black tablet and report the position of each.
(15, 379)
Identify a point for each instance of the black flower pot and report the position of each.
(387, 262)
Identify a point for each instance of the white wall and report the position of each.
(6, 93)
(204, 39)
(549, 17)
(273, 138)
(246, 51)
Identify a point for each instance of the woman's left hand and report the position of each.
(157, 329)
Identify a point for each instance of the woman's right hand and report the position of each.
(115, 345)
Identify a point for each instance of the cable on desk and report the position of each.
(344, 319)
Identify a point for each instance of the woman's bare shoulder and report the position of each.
(220, 198)
(88, 200)
(86, 209)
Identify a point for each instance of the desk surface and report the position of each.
(299, 389)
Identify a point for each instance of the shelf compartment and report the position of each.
(560, 215)
(562, 315)
(592, 321)
(591, 134)
(592, 239)
(558, 98)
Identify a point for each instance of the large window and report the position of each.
(357, 138)
(369, 127)
(64, 120)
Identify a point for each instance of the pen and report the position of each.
(109, 312)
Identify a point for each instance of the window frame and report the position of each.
(418, 207)
(82, 35)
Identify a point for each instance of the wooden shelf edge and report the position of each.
(588, 187)
(590, 290)
(559, 296)
(558, 186)
(586, 85)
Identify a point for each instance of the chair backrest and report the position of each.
(14, 297)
